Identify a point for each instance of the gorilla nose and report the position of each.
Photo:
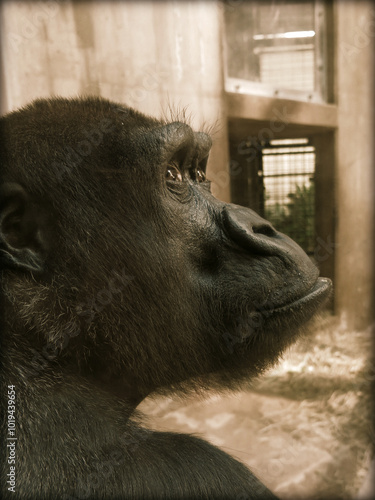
(248, 230)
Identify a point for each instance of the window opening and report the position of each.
(275, 47)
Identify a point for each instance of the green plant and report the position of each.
(296, 218)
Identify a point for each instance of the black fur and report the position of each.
(123, 276)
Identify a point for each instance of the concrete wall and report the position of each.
(149, 55)
(355, 162)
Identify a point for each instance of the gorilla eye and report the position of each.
(200, 175)
(173, 174)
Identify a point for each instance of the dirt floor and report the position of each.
(305, 428)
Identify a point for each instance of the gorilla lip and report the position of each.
(319, 291)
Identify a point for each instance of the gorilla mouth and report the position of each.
(315, 296)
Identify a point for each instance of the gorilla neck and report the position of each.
(36, 371)
(124, 390)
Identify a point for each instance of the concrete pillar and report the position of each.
(355, 162)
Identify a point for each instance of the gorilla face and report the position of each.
(118, 258)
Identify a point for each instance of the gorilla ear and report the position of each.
(21, 245)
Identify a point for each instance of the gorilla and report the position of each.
(122, 276)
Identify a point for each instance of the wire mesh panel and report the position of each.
(288, 168)
(289, 68)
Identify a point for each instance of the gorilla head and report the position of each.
(117, 256)
(121, 272)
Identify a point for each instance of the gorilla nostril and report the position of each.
(247, 229)
(265, 229)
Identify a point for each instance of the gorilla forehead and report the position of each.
(92, 132)
(55, 113)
